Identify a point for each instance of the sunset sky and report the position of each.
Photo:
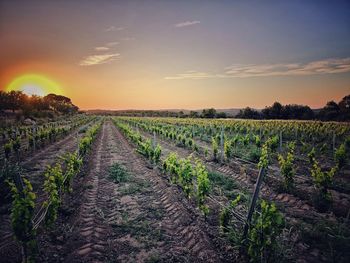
(178, 54)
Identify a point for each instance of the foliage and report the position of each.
(206, 152)
(311, 155)
(182, 172)
(215, 147)
(118, 173)
(53, 183)
(286, 166)
(262, 236)
(170, 165)
(16, 100)
(157, 153)
(22, 212)
(203, 186)
(7, 149)
(73, 163)
(340, 156)
(224, 217)
(16, 144)
(254, 154)
(264, 158)
(185, 175)
(84, 145)
(322, 180)
(257, 140)
(86, 142)
(228, 149)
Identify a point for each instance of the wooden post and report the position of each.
(333, 141)
(253, 201)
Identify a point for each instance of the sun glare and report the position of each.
(33, 90)
(34, 84)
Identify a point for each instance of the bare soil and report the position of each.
(144, 219)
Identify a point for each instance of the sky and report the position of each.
(178, 54)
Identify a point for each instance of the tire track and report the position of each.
(89, 230)
(141, 219)
(180, 222)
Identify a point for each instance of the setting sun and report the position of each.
(34, 84)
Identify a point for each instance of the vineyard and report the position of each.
(128, 189)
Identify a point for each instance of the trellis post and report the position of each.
(253, 201)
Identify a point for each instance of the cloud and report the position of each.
(113, 28)
(101, 48)
(98, 59)
(192, 74)
(327, 66)
(187, 23)
(111, 44)
(127, 38)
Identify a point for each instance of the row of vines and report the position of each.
(26, 216)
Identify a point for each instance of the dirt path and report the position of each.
(140, 220)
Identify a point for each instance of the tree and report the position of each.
(297, 112)
(181, 114)
(60, 103)
(15, 99)
(3, 100)
(194, 114)
(209, 113)
(248, 113)
(344, 107)
(330, 112)
(273, 112)
(221, 115)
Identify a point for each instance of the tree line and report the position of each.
(332, 111)
(14, 101)
(206, 113)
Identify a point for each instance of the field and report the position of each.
(126, 189)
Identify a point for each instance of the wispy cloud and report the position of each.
(127, 38)
(193, 74)
(101, 48)
(111, 44)
(98, 59)
(113, 28)
(327, 66)
(187, 23)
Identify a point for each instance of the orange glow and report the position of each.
(34, 84)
